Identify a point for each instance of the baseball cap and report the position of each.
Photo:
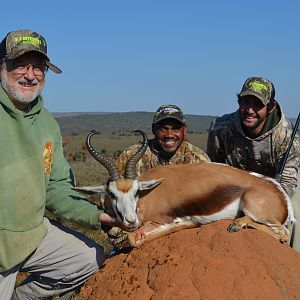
(259, 87)
(17, 43)
(168, 111)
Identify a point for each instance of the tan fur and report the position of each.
(124, 185)
(205, 189)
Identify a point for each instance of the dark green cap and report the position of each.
(19, 42)
(260, 87)
(168, 111)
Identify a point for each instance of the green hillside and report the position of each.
(125, 122)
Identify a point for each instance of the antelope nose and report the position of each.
(130, 218)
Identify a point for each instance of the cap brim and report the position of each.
(51, 66)
(23, 51)
(170, 117)
(257, 95)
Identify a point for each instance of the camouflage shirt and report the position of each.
(185, 154)
(227, 143)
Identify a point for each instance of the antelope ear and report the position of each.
(90, 190)
(149, 184)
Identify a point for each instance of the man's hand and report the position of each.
(109, 220)
(113, 227)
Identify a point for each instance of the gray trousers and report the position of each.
(64, 260)
(295, 231)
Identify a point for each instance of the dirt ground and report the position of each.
(201, 263)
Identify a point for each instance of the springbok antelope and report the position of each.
(171, 198)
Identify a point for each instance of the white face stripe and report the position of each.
(124, 204)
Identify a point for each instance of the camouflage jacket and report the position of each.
(227, 143)
(185, 154)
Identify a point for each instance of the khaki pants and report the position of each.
(295, 238)
(64, 260)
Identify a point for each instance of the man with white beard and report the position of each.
(34, 175)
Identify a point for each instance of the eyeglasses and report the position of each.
(22, 69)
(254, 104)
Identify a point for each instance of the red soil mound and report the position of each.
(201, 263)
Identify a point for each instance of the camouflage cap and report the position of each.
(168, 111)
(259, 87)
(19, 42)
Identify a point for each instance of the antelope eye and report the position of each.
(111, 194)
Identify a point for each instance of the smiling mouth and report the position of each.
(169, 143)
(247, 117)
(26, 85)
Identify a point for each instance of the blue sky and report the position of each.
(134, 55)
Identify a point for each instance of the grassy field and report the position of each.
(90, 172)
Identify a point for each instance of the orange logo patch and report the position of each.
(47, 157)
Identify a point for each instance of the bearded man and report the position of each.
(256, 138)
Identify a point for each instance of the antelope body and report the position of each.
(170, 198)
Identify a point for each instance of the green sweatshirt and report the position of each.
(33, 175)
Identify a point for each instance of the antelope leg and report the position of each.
(274, 228)
(151, 231)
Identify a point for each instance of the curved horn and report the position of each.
(130, 171)
(106, 161)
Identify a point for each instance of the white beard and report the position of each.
(14, 92)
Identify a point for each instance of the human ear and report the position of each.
(185, 132)
(271, 106)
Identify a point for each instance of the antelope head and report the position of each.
(122, 190)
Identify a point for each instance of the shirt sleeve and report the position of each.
(291, 169)
(213, 149)
(198, 155)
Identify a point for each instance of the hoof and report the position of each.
(233, 228)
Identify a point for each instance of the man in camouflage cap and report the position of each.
(34, 175)
(168, 147)
(256, 137)
(17, 43)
